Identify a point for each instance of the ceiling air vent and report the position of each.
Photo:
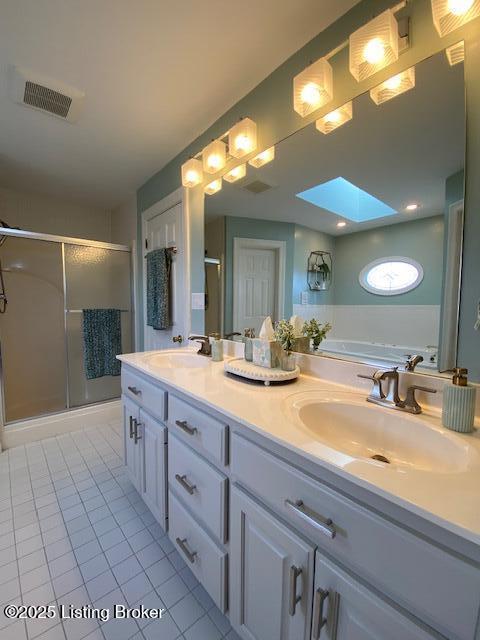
(257, 187)
(46, 94)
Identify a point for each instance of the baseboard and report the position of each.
(53, 425)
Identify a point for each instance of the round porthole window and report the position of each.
(391, 276)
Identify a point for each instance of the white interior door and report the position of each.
(256, 287)
(164, 228)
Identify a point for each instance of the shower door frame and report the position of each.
(64, 240)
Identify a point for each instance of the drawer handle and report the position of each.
(130, 420)
(182, 480)
(135, 391)
(182, 543)
(183, 424)
(312, 518)
(136, 437)
(318, 620)
(295, 572)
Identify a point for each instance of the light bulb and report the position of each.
(242, 143)
(214, 161)
(341, 224)
(263, 158)
(393, 83)
(333, 117)
(459, 7)
(192, 177)
(374, 51)
(310, 94)
(411, 207)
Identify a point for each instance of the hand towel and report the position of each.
(102, 342)
(158, 289)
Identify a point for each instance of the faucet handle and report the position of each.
(365, 377)
(410, 403)
(377, 391)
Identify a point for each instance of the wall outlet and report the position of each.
(304, 297)
(198, 301)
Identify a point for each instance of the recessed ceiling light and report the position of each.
(412, 206)
(341, 224)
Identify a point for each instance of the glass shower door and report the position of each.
(95, 278)
(32, 336)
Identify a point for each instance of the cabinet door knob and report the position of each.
(295, 572)
(323, 525)
(183, 424)
(182, 543)
(135, 391)
(182, 480)
(318, 620)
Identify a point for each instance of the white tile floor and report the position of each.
(73, 530)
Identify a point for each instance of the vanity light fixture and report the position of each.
(412, 207)
(242, 138)
(214, 156)
(335, 118)
(313, 87)
(340, 225)
(213, 187)
(374, 46)
(192, 173)
(237, 173)
(394, 86)
(455, 53)
(263, 158)
(449, 15)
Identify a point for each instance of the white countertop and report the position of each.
(450, 500)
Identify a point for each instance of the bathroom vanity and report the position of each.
(292, 537)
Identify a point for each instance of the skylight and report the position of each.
(347, 200)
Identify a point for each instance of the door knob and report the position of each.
(178, 339)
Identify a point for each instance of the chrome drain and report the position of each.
(380, 458)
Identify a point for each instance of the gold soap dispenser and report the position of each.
(458, 411)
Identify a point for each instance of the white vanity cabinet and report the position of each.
(133, 451)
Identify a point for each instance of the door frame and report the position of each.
(280, 248)
(177, 197)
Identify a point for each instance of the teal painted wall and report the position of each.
(236, 227)
(269, 104)
(421, 240)
(306, 241)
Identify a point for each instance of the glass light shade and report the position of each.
(449, 15)
(374, 46)
(455, 53)
(214, 156)
(236, 173)
(213, 187)
(313, 87)
(242, 138)
(335, 118)
(192, 173)
(263, 158)
(394, 86)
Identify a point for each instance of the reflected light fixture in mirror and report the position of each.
(237, 173)
(214, 156)
(394, 86)
(313, 87)
(192, 173)
(411, 207)
(213, 187)
(263, 158)
(374, 46)
(449, 15)
(242, 138)
(335, 118)
(456, 53)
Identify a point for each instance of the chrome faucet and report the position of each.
(412, 361)
(205, 346)
(389, 396)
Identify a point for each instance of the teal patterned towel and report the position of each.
(102, 342)
(158, 289)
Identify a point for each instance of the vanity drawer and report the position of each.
(440, 589)
(202, 432)
(151, 396)
(205, 558)
(201, 487)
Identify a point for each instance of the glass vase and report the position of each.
(287, 361)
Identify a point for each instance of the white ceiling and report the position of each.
(156, 74)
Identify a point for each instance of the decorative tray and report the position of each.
(240, 367)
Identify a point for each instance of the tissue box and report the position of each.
(266, 353)
(301, 344)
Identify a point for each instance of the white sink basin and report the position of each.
(178, 360)
(348, 424)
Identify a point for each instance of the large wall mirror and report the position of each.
(361, 228)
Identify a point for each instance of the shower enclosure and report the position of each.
(48, 281)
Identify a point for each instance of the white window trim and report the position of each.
(362, 276)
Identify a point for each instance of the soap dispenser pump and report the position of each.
(458, 412)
